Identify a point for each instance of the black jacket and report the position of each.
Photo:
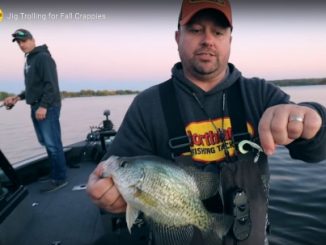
(41, 79)
(144, 131)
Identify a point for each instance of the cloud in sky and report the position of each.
(131, 44)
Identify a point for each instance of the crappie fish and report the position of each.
(169, 196)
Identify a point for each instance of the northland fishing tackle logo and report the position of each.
(1, 15)
(206, 141)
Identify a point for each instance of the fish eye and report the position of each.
(123, 164)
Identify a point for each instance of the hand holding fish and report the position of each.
(282, 124)
(104, 192)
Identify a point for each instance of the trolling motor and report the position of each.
(107, 124)
(107, 131)
(102, 133)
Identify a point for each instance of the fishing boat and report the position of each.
(66, 216)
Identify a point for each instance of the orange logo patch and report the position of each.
(206, 142)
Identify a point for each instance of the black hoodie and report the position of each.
(41, 79)
(144, 131)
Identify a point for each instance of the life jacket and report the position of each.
(244, 183)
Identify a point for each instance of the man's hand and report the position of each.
(104, 193)
(10, 101)
(282, 124)
(40, 113)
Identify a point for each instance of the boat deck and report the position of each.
(66, 216)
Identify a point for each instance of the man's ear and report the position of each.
(177, 36)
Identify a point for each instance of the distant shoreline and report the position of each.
(299, 82)
(83, 93)
(89, 92)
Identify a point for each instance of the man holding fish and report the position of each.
(217, 128)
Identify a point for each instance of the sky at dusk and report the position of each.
(131, 45)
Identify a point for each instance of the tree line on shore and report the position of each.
(89, 92)
(299, 82)
(84, 93)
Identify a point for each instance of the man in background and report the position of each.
(43, 95)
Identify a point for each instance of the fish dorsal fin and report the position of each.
(207, 182)
(131, 216)
(171, 235)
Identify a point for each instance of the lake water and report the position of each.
(298, 190)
